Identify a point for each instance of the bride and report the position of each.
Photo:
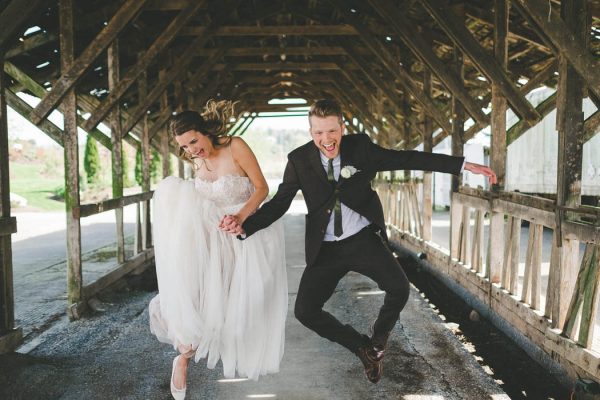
(219, 297)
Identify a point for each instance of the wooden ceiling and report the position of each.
(390, 63)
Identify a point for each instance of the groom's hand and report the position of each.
(231, 224)
(482, 170)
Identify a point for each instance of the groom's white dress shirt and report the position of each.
(352, 222)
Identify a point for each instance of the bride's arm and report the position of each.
(244, 157)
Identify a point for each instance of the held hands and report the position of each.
(482, 170)
(231, 224)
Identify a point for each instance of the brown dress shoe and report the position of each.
(373, 366)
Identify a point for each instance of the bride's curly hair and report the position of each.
(214, 122)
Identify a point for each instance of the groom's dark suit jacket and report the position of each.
(305, 172)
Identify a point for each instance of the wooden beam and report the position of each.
(395, 68)
(458, 118)
(427, 203)
(484, 62)
(499, 105)
(160, 122)
(7, 307)
(289, 30)
(71, 160)
(407, 30)
(113, 63)
(37, 90)
(278, 51)
(205, 68)
(20, 106)
(377, 80)
(519, 128)
(517, 32)
(545, 74)
(591, 126)
(569, 115)
(30, 44)
(14, 17)
(280, 66)
(70, 77)
(176, 70)
(161, 42)
(569, 46)
(363, 91)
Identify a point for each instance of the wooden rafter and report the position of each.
(406, 30)
(161, 42)
(278, 30)
(70, 77)
(482, 59)
(15, 16)
(177, 70)
(569, 46)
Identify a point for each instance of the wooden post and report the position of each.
(71, 151)
(499, 104)
(164, 138)
(569, 121)
(428, 147)
(456, 210)
(117, 146)
(145, 149)
(458, 127)
(498, 145)
(10, 336)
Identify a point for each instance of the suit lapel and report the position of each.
(315, 162)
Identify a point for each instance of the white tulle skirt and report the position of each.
(225, 297)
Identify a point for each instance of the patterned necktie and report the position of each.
(337, 210)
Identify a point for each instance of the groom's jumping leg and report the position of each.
(381, 266)
(316, 286)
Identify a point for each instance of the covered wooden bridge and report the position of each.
(409, 73)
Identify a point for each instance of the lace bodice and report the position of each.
(227, 190)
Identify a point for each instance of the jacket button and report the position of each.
(328, 211)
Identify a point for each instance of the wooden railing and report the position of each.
(558, 317)
(143, 254)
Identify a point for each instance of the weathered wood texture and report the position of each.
(7, 225)
(14, 17)
(71, 160)
(117, 147)
(78, 67)
(143, 62)
(456, 29)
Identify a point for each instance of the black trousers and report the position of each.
(365, 253)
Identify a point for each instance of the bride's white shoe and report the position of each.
(178, 394)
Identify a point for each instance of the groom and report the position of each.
(345, 228)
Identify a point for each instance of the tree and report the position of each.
(155, 166)
(91, 161)
(125, 165)
(138, 167)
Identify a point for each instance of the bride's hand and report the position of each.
(231, 224)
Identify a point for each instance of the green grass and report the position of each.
(27, 181)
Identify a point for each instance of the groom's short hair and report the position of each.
(326, 108)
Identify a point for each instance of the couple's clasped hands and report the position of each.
(231, 224)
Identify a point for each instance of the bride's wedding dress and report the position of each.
(225, 297)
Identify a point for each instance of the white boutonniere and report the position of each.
(348, 171)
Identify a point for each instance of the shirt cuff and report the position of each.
(462, 168)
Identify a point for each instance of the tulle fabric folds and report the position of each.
(225, 297)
